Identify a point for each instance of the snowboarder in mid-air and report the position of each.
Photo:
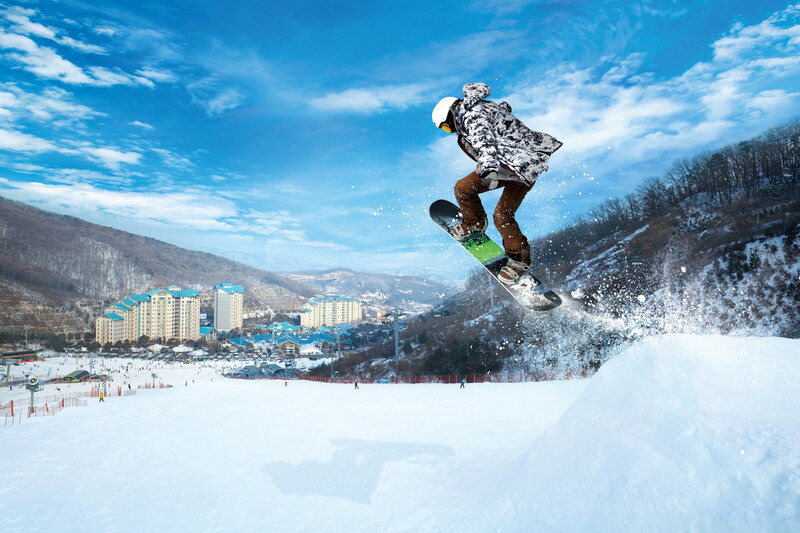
(509, 155)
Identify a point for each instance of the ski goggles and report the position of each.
(446, 127)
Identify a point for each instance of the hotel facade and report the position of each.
(330, 311)
(171, 313)
(228, 307)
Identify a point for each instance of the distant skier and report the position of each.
(463, 383)
(509, 155)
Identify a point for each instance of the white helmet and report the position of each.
(441, 110)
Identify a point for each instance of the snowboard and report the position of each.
(528, 291)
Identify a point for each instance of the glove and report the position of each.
(490, 179)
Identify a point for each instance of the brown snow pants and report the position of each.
(467, 190)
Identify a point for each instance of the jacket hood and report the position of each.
(474, 93)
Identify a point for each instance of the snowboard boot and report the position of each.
(463, 231)
(516, 266)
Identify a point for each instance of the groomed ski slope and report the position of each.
(677, 433)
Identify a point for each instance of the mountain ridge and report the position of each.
(58, 271)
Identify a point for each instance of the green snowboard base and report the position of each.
(528, 290)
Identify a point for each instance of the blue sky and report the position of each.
(298, 136)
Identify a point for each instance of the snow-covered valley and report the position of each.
(676, 433)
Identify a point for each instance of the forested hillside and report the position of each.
(711, 246)
(714, 241)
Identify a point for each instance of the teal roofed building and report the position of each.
(228, 306)
(230, 288)
(171, 313)
(279, 327)
(331, 311)
(208, 333)
(185, 293)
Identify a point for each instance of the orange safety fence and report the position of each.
(15, 415)
(13, 411)
(94, 392)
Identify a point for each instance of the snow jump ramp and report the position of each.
(677, 433)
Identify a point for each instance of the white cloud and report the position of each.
(502, 6)
(16, 141)
(158, 75)
(223, 101)
(171, 159)
(142, 125)
(104, 77)
(75, 176)
(42, 61)
(22, 24)
(110, 157)
(778, 30)
(81, 46)
(15, 41)
(174, 211)
(53, 106)
(154, 44)
(46, 63)
(372, 99)
(214, 98)
(27, 167)
(183, 209)
(8, 101)
(773, 101)
(105, 30)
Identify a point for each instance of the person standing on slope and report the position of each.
(509, 155)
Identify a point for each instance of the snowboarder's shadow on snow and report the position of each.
(353, 471)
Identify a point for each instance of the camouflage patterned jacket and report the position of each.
(492, 136)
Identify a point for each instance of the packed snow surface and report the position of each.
(677, 433)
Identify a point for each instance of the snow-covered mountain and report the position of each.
(54, 266)
(410, 293)
(700, 266)
(57, 271)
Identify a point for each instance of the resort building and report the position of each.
(171, 313)
(330, 311)
(228, 306)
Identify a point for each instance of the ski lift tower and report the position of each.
(394, 315)
(335, 330)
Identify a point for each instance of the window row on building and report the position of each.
(331, 310)
(171, 313)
